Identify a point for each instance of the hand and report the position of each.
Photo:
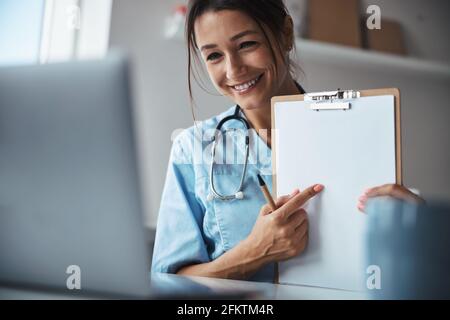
(392, 190)
(283, 233)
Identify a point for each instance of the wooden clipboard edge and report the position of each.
(364, 93)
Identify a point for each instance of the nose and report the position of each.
(235, 67)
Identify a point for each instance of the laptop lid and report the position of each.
(69, 190)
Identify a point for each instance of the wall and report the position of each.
(162, 103)
(425, 24)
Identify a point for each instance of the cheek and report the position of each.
(264, 60)
(260, 59)
(214, 75)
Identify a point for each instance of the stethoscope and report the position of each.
(238, 194)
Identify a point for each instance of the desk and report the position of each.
(189, 287)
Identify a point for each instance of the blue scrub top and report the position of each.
(190, 228)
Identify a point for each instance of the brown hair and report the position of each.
(266, 13)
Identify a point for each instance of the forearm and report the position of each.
(238, 263)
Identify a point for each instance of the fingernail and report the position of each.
(318, 187)
(294, 192)
(363, 198)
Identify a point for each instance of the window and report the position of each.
(20, 31)
(75, 29)
(42, 31)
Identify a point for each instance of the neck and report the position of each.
(260, 119)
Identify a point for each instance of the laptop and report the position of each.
(70, 207)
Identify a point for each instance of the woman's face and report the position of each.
(238, 58)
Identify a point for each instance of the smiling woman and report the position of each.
(245, 47)
(246, 52)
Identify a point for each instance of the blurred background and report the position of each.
(335, 49)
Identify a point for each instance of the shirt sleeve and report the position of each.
(179, 237)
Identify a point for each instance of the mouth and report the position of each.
(247, 86)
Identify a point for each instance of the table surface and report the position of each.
(189, 287)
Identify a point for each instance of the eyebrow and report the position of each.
(233, 38)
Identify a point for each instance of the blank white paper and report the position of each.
(346, 151)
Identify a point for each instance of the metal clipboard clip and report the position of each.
(331, 100)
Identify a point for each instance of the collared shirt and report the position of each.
(192, 229)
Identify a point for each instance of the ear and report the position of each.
(288, 33)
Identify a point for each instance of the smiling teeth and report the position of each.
(246, 85)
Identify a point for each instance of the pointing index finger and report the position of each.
(300, 199)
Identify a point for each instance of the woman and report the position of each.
(245, 47)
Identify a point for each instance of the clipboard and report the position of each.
(315, 124)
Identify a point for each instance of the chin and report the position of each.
(251, 104)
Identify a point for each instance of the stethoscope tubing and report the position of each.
(238, 194)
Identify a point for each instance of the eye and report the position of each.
(213, 56)
(247, 44)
